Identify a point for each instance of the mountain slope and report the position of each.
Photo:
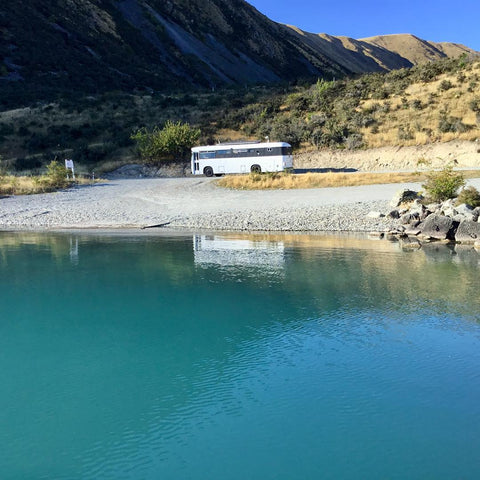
(416, 50)
(91, 46)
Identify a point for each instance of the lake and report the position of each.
(237, 357)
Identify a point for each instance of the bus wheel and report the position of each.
(208, 171)
(256, 169)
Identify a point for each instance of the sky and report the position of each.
(456, 21)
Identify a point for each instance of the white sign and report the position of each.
(69, 166)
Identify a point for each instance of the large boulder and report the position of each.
(468, 232)
(404, 195)
(438, 227)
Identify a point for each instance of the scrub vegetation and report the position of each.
(441, 183)
(444, 184)
(433, 102)
(173, 141)
(286, 181)
(55, 178)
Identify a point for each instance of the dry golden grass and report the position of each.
(12, 185)
(289, 181)
(423, 123)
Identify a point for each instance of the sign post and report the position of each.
(69, 166)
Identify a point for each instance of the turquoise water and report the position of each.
(237, 357)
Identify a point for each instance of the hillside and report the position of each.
(427, 104)
(55, 48)
(416, 50)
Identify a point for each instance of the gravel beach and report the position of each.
(198, 204)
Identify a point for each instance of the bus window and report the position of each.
(207, 154)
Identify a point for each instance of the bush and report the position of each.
(56, 176)
(173, 141)
(452, 124)
(469, 195)
(445, 85)
(405, 133)
(443, 184)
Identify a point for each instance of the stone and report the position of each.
(464, 209)
(394, 214)
(434, 207)
(417, 207)
(460, 217)
(403, 196)
(468, 232)
(438, 227)
(412, 231)
(375, 215)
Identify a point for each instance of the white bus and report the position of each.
(241, 158)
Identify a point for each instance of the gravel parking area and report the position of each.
(197, 203)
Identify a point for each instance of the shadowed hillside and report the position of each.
(55, 47)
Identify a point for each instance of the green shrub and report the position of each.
(469, 195)
(56, 176)
(443, 184)
(173, 141)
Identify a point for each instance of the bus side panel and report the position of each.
(243, 164)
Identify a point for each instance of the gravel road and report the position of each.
(197, 203)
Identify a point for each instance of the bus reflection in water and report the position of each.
(225, 251)
(245, 157)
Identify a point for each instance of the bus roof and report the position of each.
(240, 145)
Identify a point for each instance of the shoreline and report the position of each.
(193, 204)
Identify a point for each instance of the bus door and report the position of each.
(196, 164)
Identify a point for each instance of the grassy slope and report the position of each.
(435, 102)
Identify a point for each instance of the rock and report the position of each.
(476, 213)
(464, 209)
(412, 231)
(394, 214)
(476, 245)
(448, 209)
(375, 215)
(460, 217)
(414, 222)
(438, 227)
(403, 196)
(468, 232)
(434, 207)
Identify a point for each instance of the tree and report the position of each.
(172, 142)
